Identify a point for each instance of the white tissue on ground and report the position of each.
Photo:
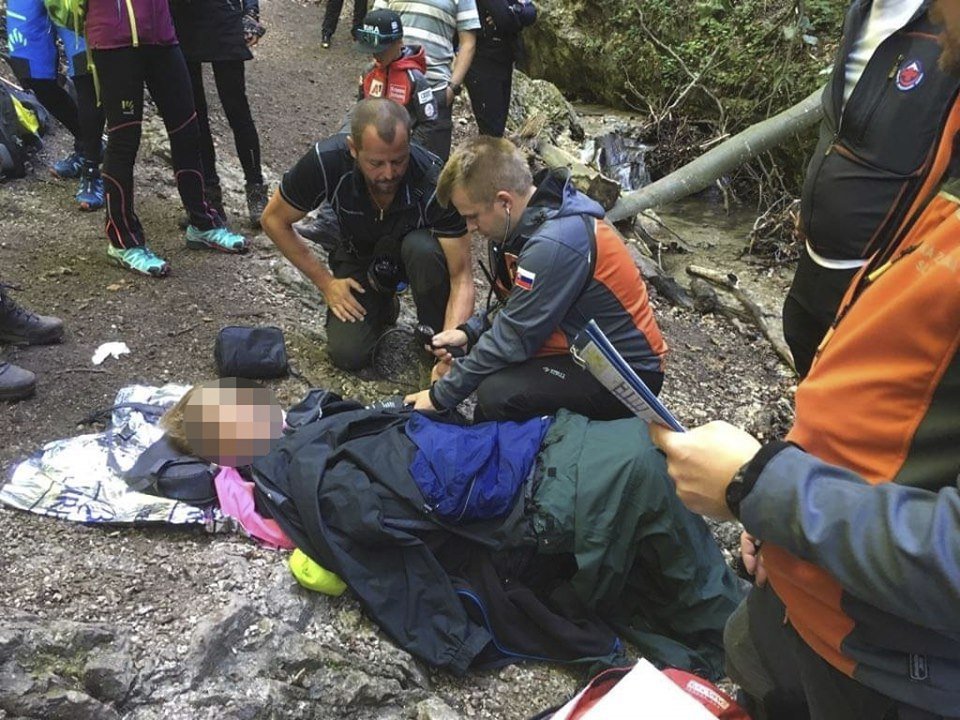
(110, 349)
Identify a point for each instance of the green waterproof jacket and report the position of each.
(646, 565)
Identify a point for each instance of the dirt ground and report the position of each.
(157, 583)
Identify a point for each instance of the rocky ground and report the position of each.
(111, 623)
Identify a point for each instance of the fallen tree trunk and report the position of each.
(731, 283)
(702, 172)
(604, 190)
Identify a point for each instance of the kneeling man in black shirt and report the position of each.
(386, 229)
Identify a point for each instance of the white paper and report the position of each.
(110, 349)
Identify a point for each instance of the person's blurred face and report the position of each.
(947, 14)
(382, 164)
(230, 425)
(390, 53)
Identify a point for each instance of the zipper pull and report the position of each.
(896, 66)
(836, 137)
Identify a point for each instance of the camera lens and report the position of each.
(384, 274)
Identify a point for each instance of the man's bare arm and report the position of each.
(277, 221)
(467, 40)
(462, 290)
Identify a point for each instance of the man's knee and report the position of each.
(423, 259)
(349, 348)
(348, 356)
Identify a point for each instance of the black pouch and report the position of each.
(165, 471)
(251, 352)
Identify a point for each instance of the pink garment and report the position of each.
(236, 500)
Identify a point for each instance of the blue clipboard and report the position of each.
(593, 351)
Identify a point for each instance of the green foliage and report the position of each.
(717, 65)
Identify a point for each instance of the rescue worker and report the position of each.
(556, 265)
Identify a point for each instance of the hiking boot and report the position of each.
(90, 193)
(216, 239)
(325, 40)
(15, 382)
(19, 325)
(140, 259)
(257, 197)
(68, 168)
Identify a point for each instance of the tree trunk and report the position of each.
(702, 172)
(604, 190)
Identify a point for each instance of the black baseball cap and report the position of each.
(381, 28)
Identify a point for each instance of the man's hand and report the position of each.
(420, 400)
(703, 461)
(455, 338)
(752, 559)
(339, 296)
(439, 370)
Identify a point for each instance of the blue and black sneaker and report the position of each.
(69, 168)
(216, 239)
(90, 193)
(140, 259)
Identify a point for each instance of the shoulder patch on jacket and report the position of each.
(524, 279)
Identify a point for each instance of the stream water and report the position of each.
(698, 230)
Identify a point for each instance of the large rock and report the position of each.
(59, 669)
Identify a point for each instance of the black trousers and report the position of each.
(229, 77)
(489, 82)
(541, 386)
(83, 118)
(810, 308)
(123, 73)
(351, 344)
(331, 15)
(786, 680)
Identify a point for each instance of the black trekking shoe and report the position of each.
(19, 325)
(325, 40)
(257, 197)
(15, 382)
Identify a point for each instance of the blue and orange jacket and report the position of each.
(860, 516)
(561, 267)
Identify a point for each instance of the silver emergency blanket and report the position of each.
(80, 479)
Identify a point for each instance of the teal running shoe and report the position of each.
(216, 239)
(69, 168)
(139, 259)
(90, 193)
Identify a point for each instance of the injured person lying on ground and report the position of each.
(471, 546)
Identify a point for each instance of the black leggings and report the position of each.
(544, 385)
(123, 73)
(231, 85)
(83, 119)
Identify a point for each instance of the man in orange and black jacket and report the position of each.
(884, 110)
(858, 512)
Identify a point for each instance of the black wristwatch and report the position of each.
(737, 490)
(746, 477)
(457, 89)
